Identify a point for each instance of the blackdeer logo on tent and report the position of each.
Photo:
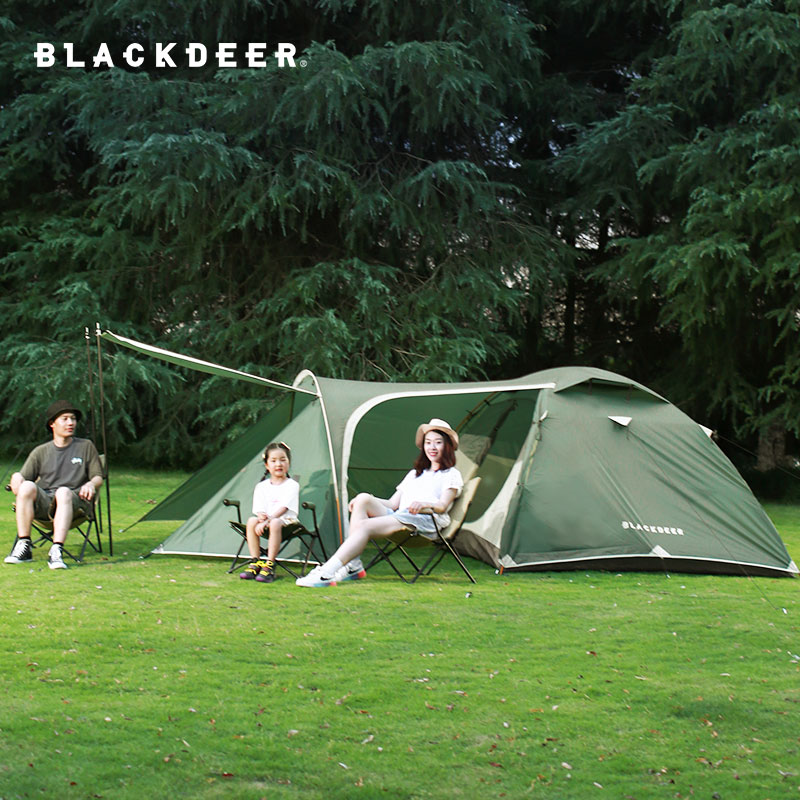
(637, 526)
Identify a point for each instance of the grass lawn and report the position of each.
(130, 678)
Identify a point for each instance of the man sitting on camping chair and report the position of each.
(58, 481)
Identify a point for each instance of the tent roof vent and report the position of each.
(624, 421)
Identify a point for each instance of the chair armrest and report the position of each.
(313, 509)
(236, 504)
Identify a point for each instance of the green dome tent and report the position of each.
(580, 468)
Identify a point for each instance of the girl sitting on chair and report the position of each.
(276, 499)
(434, 482)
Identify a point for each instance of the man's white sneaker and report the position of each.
(316, 578)
(352, 571)
(21, 552)
(55, 558)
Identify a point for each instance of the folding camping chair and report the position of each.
(88, 524)
(308, 538)
(440, 542)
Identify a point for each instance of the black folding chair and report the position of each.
(309, 540)
(440, 543)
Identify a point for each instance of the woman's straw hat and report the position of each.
(436, 425)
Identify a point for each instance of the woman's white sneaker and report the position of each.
(316, 578)
(352, 571)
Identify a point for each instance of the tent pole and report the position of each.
(90, 373)
(476, 409)
(92, 415)
(103, 430)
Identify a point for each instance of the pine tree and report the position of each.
(350, 215)
(593, 54)
(696, 171)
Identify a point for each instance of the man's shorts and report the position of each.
(44, 506)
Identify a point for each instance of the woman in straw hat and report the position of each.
(433, 482)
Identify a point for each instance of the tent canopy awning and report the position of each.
(198, 364)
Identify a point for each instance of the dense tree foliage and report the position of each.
(694, 183)
(435, 191)
(348, 215)
(593, 52)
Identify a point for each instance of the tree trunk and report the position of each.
(771, 447)
(569, 318)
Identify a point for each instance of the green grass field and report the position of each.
(131, 678)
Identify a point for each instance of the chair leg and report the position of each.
(83, 546)
(441, 548)
(308, 539)
(322, 547)
(42, 538)
(282, 564)
(384, 554)
(87, 538)
(309, 551)
(457, 557)
(386, 551)
(47, 536)
(235, 561)
(97, 531)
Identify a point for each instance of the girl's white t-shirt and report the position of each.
(269, 497)
(428, 487)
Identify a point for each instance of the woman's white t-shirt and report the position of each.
(428, 487)
(269, 497)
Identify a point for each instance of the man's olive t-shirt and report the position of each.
(70, 466)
